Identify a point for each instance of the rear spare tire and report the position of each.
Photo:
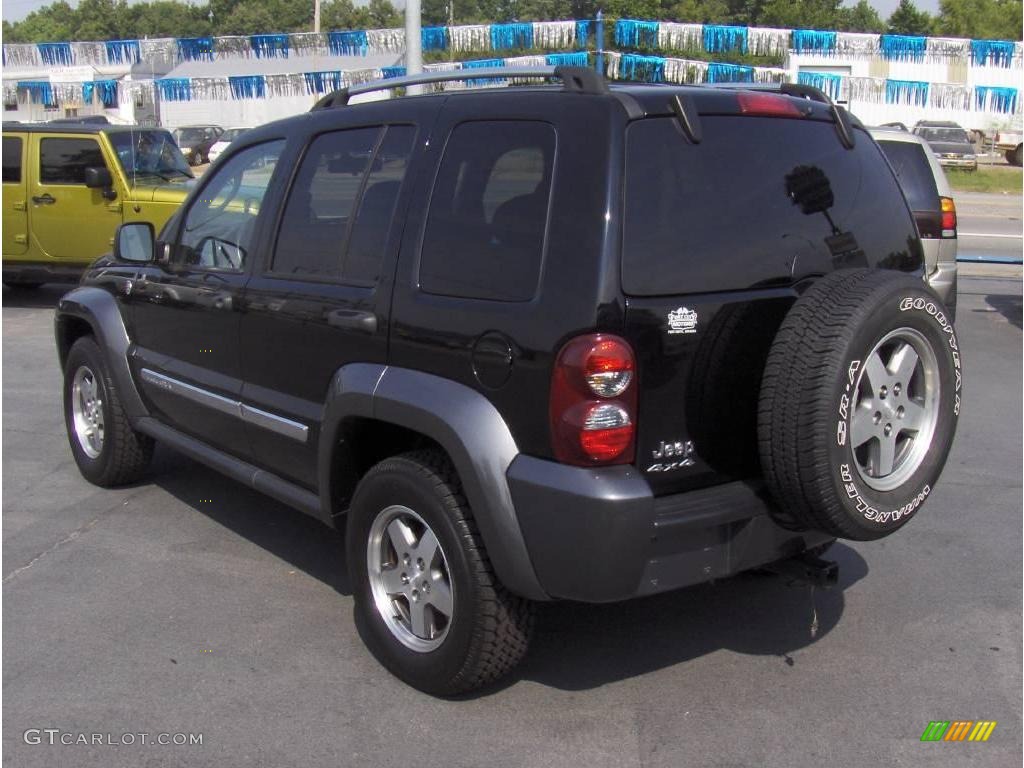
(859, 403)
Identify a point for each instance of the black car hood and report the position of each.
(951, 147)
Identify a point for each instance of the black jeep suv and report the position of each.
(531, 343)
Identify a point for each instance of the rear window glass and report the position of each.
(915, 174)
(12, 159)
(488, 212)
(758, 200)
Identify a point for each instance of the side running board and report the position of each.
(254, 477)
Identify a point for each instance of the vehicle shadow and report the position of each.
(43, 297)
(297, 538)
(576, 646)
(1009, 306)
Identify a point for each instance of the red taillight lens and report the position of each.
(948, 217)
(768, 105)
(593, 401)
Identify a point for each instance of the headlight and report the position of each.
(970, 157)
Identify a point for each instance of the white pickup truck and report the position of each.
(1010, 143)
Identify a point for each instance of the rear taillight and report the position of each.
(948, 217)
(768, 105)
(593, 401)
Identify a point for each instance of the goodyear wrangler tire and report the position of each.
(859, 404)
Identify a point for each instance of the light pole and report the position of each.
(316, 16)
(413, 42)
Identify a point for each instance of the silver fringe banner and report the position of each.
(21, 55)
(681, 37)
(385, 40)
(555, 35)
(474, 37)
(857, 44)
(764, 41)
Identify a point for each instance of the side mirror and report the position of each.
(134, 242)
(100, 178)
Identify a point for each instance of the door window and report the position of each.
(488, 213)
(12, 160)
(219, 230)
(339, 210)
(63, 161)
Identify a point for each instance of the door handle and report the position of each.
(46, 199)
(353, 320)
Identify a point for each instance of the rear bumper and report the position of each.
(598, 535)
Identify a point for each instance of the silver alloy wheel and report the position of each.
(87, 411)
(895, 409)
(409, 578)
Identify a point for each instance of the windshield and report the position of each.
(955, 135)
(151, 153)
(188, 136)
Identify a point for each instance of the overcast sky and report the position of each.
(13, 10)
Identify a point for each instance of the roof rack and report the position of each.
(575, 79)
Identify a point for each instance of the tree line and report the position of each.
(116, 19)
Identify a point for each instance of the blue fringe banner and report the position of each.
(107, 90)
(631, 33)
(996, 53)
(567, 59)
(813, 41)
(269, 46)
(913, 92)
(729, 73)
(998, 99)
(248, 87)
(582, 33)
(123, 51)
(39, 91)
(903, 47)
(389, 72)
(483, 64)
(719, 38)
(434, 38)
(195, 48)
(823, 81)
(506, 37)
(322, 82)
(55, 54)
(175, 88)
(648, 69)
(348, 43)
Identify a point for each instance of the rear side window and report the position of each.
(759, 200)
(12, 159)
(63, 161)
(910, 163)
(488, 213)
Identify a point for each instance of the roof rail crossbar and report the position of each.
(575, 79)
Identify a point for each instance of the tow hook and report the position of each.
(807, 569)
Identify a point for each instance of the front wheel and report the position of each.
(426, 598)
(106, 449)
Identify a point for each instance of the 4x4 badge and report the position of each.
(682, 320)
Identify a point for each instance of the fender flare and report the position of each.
(466, 425)
(100, 311)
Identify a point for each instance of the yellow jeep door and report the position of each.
(15, 214)
(70, 222)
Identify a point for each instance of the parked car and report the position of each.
(931, 199)
(585, 342)
(195, 141)
(66, 187)
(223, 141)
(950, 143)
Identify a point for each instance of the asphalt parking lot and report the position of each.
(188, 604)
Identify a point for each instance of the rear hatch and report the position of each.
(717, 236)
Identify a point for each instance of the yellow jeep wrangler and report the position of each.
(67, 187)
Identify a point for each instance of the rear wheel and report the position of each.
(859, 403)
(1013, 156)
(427, 601)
